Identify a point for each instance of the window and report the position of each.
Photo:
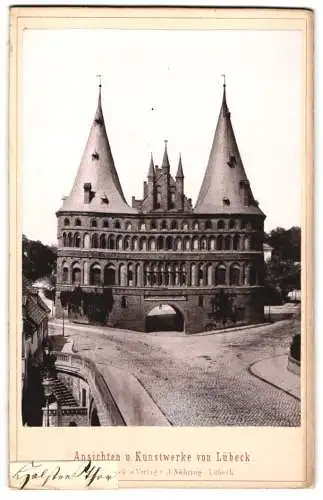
(243, 224)
(103, 241)
(226, 201)
(95, 275)
(234, 275)
(208, 224)
(105, 223)
(77, 240)
(69, 240)
(153, 225)
(142, 227)
(201, 301)
(123, 302)
(158, 199)
(117, 224)
(173, 224)
(221, 224)
(185, 226)
(128, 226)
(94, 223)
(84, 398)
(220, 273)
(232, 224)
(65, 275)
(78, 222)
(227, 243)
(172, 200)
(66, 222)
(163, 224)
(95, 241)
(196, 226)
(76, 275)
(95, 156)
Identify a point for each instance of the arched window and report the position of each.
(219, 243)
(172, 200)
(123, 302)
(208, 224)
(76, 275)
(195, 243)
(103, 241)
(95, 275)
(160, 243)
(143, 244)
(236, 240)
(111, 242)
(138, 277)
(173, 224)
(122, 275)
(196, 226)
(163, 224)
(134, 243)
(187, 243)
(69, 240)
(105, 223)
(246, 243)
(66, 221)
(128, 226)
(126, 243)
(117, 224)
(119, 243)
(152, 244)
(212, 244)
(200, 301)
(193, 275)
(232, 224)
(185, 226)
(86, 241)
(153, 225)
(130, 275)
(77, 240)
(178, 244)
(64, 240)
(221, 224)
(78, 222)
(220, 273)
(243, 224)
(234, 275)
(109, 275)
(94, 223)
(182, 277)
(169, 243)
(201, 275)
(95, 241)
(204, 244)
(142, 226)
(227, 243)
(65, 274)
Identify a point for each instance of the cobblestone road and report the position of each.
(200, 380)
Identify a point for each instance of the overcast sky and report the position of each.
(160, 85)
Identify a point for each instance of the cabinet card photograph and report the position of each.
(161, 232)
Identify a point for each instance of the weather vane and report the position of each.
(223, 76)
(99, 77)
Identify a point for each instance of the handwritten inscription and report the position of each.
(63, 475)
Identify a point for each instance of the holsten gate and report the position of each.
(116, 263)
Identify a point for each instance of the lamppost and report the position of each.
(48, 373)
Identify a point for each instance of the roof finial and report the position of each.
(223, 76)
(100, 81)
(165, 141)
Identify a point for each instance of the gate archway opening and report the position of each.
(164, 318)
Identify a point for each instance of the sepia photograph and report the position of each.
(161, 227)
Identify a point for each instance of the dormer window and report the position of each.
(105, 199)
(226, 201)
(232, 161)
(95, 156)
(66, 222)
(98, 121)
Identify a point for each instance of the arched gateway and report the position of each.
(164, 317)
(161, 250)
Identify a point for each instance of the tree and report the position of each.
(286, 243)
(38, 260)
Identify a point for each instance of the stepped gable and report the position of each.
(225, 188)
(97, 187)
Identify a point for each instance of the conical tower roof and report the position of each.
(97, 169)
(151, 171)
(225, 187)
(180, 174)
(165, 163)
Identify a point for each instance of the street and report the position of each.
(198, 380)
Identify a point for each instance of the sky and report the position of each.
(157, 85)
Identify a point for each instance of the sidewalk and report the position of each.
(274, 371)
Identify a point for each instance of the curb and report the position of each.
(256, 374)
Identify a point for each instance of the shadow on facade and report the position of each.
(164, 318)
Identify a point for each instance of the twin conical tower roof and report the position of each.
(98, 173)
(225, 187)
